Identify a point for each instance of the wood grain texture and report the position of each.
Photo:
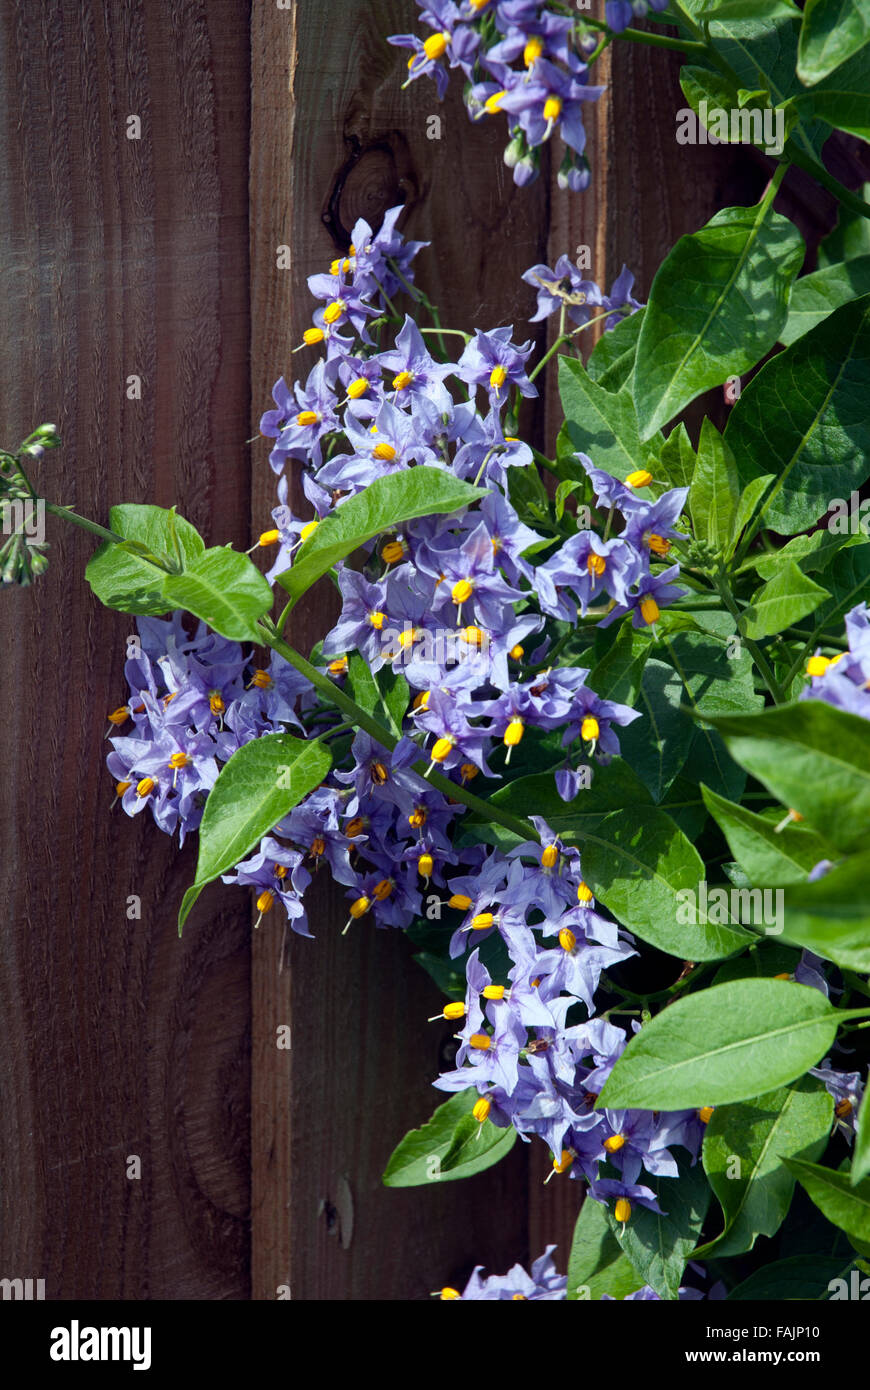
(334, 138)
(120, 257)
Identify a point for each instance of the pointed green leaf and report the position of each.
(755, 1192)
(596, 1264)
(804, 418)
(659, 1243)
(716, 306)
(447, 1147)
(832, 31)
(727, 1043)
(799, 1277)
(223, 588)
(768, 858)
(677, 460)
(786, 598)
(832, 916)
(262, 781)
(715, 491)
(815, 296)
(601, 423)
(611, 361)
(861, 1152)
(123, 580)
(845, 1206)
(384, 504)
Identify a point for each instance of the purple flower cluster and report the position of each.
(519, 58)
(450, 610)
(543, 1284)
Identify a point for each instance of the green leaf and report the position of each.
(715, 491)
(861, 1152)
(750, 496)
(804, 418)
(676, 465)
(847, 577)
(659, 1243)
(748, 9)
(718, 678)
(262, 781)
(611, 361)
(846, 110)
(123, 580)
(640, 864)
(786, 598)
(223, 588)
(755, 1192)
(597, 1264)
(814, 758)
(446, 1147)
(832, 916)
(707, 85)
(656, 746)
(601, 423)
(617, 675)
(774, 860)
(799, 1277)
(816, 296)
(727, 1043)
(813, 552)
(844, 1206)
(612, 788)
(850, 237)
(716, 306)
(383, 505)
(564, 491)
(832, 31)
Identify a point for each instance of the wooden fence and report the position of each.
(146, 250)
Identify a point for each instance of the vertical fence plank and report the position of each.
(334, 138)
(121, 257)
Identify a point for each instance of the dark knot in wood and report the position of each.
(374, 178)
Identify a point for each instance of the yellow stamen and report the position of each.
(482, 1041)
(532, 51)
(333, 312)
(584, 892)
(595, 564)
(360, 907)
(418, 817)
(517, 652)
(379, 774)
(383, 889)
(567, 939)
(119, 715)
(614, 1143)
(436, 46)
(563, 1163)
(313, 335)
(269, 538)
(307, 417)
(657, 544)
(338, 666)
(460, 901)
(377, 619)
(179, 760)
(408, 636)
(622, 1210)
(261, 680)
(456, 1010)
(482, 922)
(146, 786)
(355, 827)
(384, 451)
(425, 865)
(843, 1108)
(441, 749)
(481, 1109)
(468, 771)
(318, 846)
(639, 478)
(552, 109)
(816, 666)
(402, 381)
(308, 530)
(421, 700)
(462, 591)
(550, 856)
(493, 103)
(474, 636)
(358, 387)
(493, 992)
(215, 702)
(649, 610)
(589, 729)
(266, 901)
(497, 378)
(393, 551)
(514, 732)
(705, 1113)
(121, 787)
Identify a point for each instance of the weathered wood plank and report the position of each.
(120, 257)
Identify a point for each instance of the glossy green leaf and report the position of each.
(797, 1278)
(832, 32)
(657, 745)
(861, 1148)
(617, 675)
(715, 490)
(597, 1264)
(677, 459)
(716, 306)
(611, 361)
(744, 1148)
(782, 602)
(767, 857)
(447, 1147)
(262, 781)
(815, 296)
(850, 237)
(641, 865)
(815, 758)
(718, 678)
(728, 1043)
(804, 418)
(812, 553)
(832, 916)
(849, 111)
(384, 504)
(223, 588)
(659, 1243)
(124, 580)
(601, 423)
(844, 1206)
